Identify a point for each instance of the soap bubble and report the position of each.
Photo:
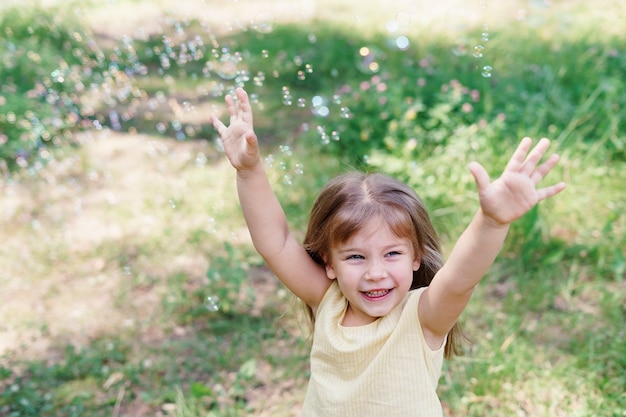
(228, 67)
(403, 19)
(259, 79)
(479, 51)
(487, 71)
(264, 22)
(287, 97)
(461, 46)
(322, 111)
(402, 42)
(368, 60)
(319, 106)
(212, 303)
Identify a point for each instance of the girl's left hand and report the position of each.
(515, 192)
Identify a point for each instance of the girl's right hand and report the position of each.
(239, 140)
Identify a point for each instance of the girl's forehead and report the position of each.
(376, 229)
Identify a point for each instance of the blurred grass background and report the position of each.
(130, 286)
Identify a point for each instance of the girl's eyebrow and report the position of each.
(384, 248)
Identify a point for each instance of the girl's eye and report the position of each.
(394, 253)
(354, 257)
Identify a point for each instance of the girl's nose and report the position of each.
(376, 271)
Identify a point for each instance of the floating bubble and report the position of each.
(308, 68)
(286, 149)
(487, 71)
(228, 67)
(265, 53)
(301, 75)
(212, 303)
(392, 26)
(201, 160)
(479, 51)
(264, 22)
(402, 42)
(301, 102)
(287, 97)
(317, 101)
(461, 46)
(335, 136)
(403, 19)
(345, 113)
(319, 106)
(299, 169)
(322, 111)
(259, 79)
(324, 139)
(368, 58)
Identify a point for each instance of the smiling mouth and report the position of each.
(376, 293)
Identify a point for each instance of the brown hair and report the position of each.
(349, 201)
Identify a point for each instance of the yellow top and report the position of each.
(384, 368)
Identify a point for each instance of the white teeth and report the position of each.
(378, 293)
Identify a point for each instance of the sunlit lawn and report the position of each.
(130, 287)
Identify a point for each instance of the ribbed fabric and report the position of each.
(382, 369)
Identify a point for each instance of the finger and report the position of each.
(547, 192)
(519, 155)
(545, 168)
(244, 104)
(232, 108)
(480, 175)
(217, 124)
(251, 139)
(535, 156)
(242, 96)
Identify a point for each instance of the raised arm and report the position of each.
(501, 202)
(262, 211)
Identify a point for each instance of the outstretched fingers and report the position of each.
(535, 156)
(547, 192)
(528, 163)
(544, 168)
(519, 156)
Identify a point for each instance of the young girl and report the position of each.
(384, 304)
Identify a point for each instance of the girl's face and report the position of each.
(374, 270)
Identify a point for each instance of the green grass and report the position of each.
(143, 230)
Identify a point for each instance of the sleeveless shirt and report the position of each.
(384, 368)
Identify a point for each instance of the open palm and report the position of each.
(239, 140)
(515, 192)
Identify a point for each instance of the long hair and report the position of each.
(349, 201)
